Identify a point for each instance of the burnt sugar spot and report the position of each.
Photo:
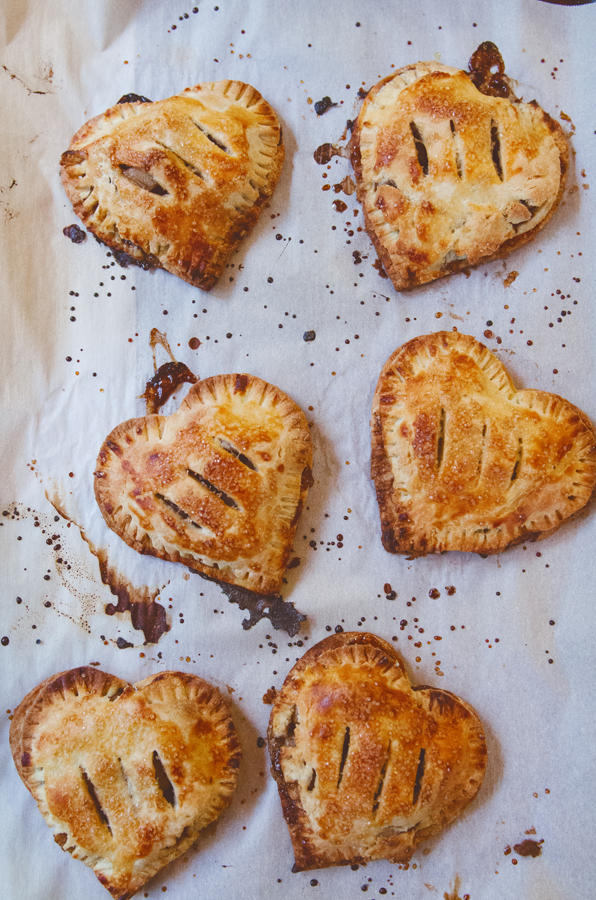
(122, 644)
(74, 233)
(322, 106)
(487, 71)
(134, 98)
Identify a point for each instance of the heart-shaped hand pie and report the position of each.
(218, 485)
(127, 776)
(463, 461)
(449, 177)
(177, 183)
(367, 766)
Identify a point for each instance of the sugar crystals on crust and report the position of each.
(366, 765)
(126, 775)
(450, 177)
(219, 485)
(461, 460)
(177, 183)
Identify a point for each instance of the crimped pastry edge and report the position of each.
(456, 265)
(22, 733)
(308, 852)
(140, 251)
(381, 470)
(246, 577)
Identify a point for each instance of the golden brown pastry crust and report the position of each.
(448, 177)
(218, 485)
(463, 461)
(367, 766)
(127, 776)
(177, 183)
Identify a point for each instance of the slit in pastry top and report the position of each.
(461, 460)
(450, 177)
(219, 485)
(177, 183)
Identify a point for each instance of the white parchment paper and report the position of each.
(515, 639)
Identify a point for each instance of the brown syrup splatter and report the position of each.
(168, 377)
(453, 893)
(508, 281)
(529, 848)
(340, 206)
(282, 615)
(146, 614)
(483, 63)
(322, 106)
(166, 380)
(270, 696)
(74, 233)
(326, 152)
(378, 265)
(347, 185)
(16, 78)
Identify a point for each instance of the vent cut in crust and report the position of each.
(218, 485)
(461, 460)
(368, 766)
(177, 183)
(126, 775)
(449, 177)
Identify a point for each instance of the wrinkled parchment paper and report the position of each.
(514, 638)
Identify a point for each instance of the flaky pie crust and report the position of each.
(450, 178)
(178, 182)
(461, 460)
(368, 766)
(127, 776)
(218, 485)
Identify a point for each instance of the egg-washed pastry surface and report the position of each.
(449, 177)
(461, 460)
(127, 776)
(178, 182)
(219, 485)
(368, 766)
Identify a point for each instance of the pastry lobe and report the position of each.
(127, 776)
(461, 460)
(368, 766)
(177, 183)
(449, 177)
(219, 485)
